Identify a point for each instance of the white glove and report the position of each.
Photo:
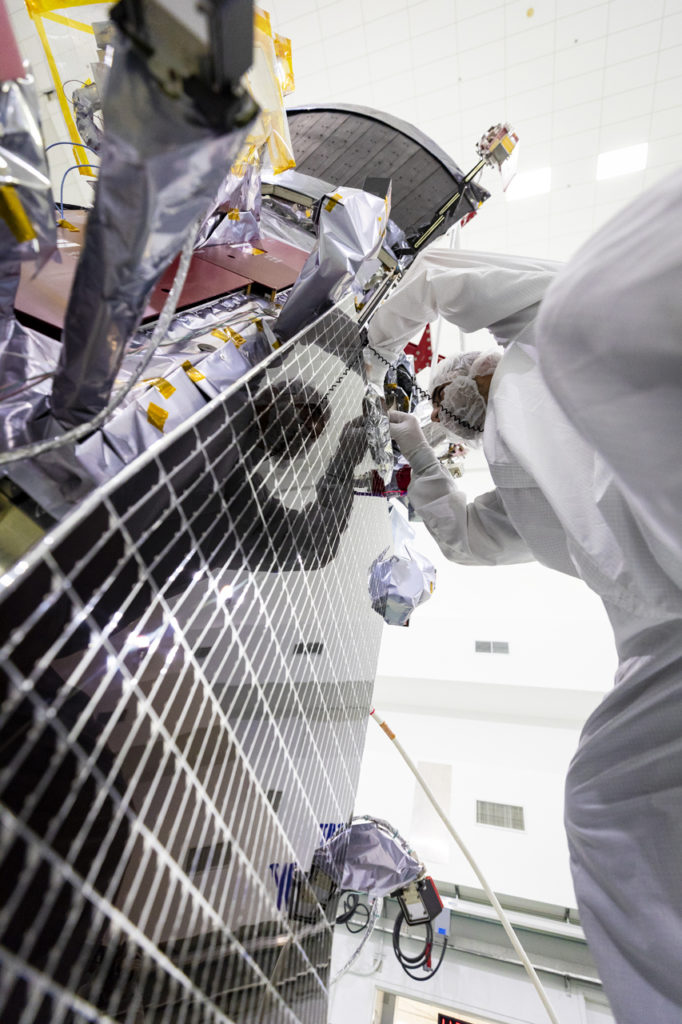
(409, 436)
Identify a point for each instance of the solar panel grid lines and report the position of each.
(154, 698)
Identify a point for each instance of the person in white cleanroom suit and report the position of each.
(558, 500)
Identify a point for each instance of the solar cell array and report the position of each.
(187, 664)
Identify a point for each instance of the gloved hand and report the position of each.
(409, 436)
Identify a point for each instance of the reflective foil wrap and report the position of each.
(162, 163)
(378, 432)
(27, 221)
(351, 228)
(237, 213)
(366, 858)
(400, 583)
(86, 103)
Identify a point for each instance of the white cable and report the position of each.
(504, 920)
(373, 918)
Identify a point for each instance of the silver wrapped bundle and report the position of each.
(378, 432)
(400, 583)
(368, 857)
(351, 229)
(237, 214)
(163, 159)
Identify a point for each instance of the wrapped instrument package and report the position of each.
(402, 581)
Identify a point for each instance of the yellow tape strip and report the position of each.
(157, 416)
(44, 6)
(80, 26)
(192, 372)
(333, 201)
(63, 102)
(164, 387)
(13, 213)
(261, 21)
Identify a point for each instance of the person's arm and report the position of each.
(474, 533)
(469, 289)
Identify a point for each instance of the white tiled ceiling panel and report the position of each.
(575, 78)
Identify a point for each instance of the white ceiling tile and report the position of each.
(534, 129)
(538, 154)
(669, 62)
(397, 55)
(481, 28)
(665, 151)
(630, 74)
(574, 91)
(574, 172)
(430, 14)
(385, 9)
(582, 27)
(388, 29)
(534, 42)
(574, 147)
(518, 14)
(564, 8)
(573, 197)
(653, 175)
(625, 14)
(665, 123)
(580, 59)
(342, 46)
(673, 6)
(634, 42)
(572, 120)
(619, 190)
(626, 105)
(304, 31)
(532, 103)
(624, 133)
(352, 73)
(441, 75)
(483, 91)
(477, 62)
(464, 8)
(669, 93)
(671, 29)
(477, 120)
(576, 221)
(289, 10)
(434, 44)
(393, 87)
(530, 74)
(311, 88)
(348, 13)
(308, 60)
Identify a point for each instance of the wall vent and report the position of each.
(491, 646)
(500, 815)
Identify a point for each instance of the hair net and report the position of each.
(462, 408)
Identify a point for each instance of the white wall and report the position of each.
(466, 985)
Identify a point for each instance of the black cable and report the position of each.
(423, 960)
(351, 905)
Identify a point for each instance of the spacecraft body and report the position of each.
(188, 528)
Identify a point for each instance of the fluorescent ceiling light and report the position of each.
(530, 183)
(622, 161)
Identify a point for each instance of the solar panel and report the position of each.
(187, 664)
